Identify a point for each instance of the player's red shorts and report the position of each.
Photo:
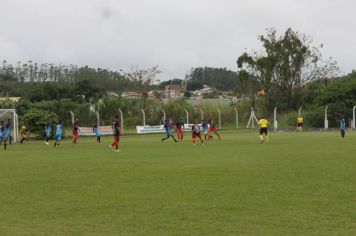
(213, 129)
(75, 132)
(195, 135)
(116, 138)
(179, 131)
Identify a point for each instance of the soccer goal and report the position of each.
(7, 115)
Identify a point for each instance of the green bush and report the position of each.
(36, 119)
(288, 120)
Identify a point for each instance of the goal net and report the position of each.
(9, 115)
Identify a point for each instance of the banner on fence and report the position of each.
(148, 129)
(88, 131)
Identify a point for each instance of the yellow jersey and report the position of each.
(263, 123)
(23, 129)
(300, 120)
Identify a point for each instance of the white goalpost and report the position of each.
(5, 115)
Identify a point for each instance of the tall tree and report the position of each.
(143, 78)
(217, 78)
(285, 66)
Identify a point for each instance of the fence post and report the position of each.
(72, 116)
(275, 122)
(237, 117)
(219, 112)
(326, 122)
(121, 121)
(164, 115)
(187, 116)
(100, 101)
(144, 117)
(201, 114)
(98, 118)
(354, 117)
(16, 126)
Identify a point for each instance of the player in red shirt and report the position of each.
(117, 132)
(196, 133)
(75, 131)
(213, 129)
(180, 130)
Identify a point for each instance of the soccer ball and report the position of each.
(261, 92)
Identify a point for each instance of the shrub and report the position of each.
(35, 119)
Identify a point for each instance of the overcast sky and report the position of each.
(174, 34)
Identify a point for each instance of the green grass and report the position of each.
(298, 184)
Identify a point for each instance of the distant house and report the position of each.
(151, 94)
(12, 99)
(229, 95)
(173, 91)
(205, 90)
(131, 95)
(112, 94)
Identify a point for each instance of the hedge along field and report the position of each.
(299, 183)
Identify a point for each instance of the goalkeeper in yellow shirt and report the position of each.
(263, 123)
(24, 133)
(300, 122)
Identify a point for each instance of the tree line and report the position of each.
(14, 78)
(140, 80)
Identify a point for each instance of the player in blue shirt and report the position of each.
(96, 130)
(48, 131)
(1, 131)
(167, 127)
(59, 133)
(342, 127)
(8, 131)
(206, 126)
(2, 134)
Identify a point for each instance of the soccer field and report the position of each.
(298, 184)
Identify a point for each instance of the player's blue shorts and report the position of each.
(168, 133)
(59, 137)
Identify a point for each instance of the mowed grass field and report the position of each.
(298, 184)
